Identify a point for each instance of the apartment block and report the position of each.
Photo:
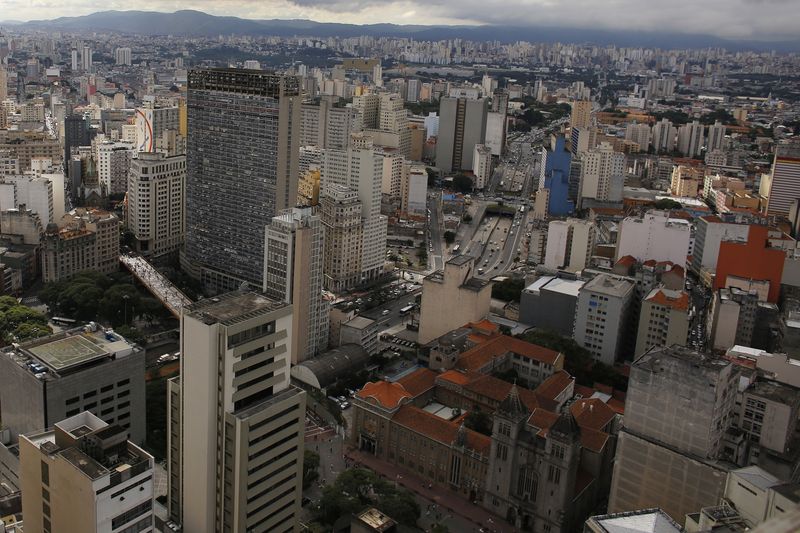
(344, 237)
(655, 236)
(602, 315)
(85, 475)
(570, 244)
(664, 320)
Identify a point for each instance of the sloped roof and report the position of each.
(385, 394)
(439, 429)
(419, 381)
(477, 357)
(592, 413)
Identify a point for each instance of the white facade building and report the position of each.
(602, 174)
(482, 165)
(655, 236)
(113, 165)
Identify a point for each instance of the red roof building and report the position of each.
(751, 260)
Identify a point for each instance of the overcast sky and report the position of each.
(751, 19)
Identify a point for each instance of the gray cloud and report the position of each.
(754, 19)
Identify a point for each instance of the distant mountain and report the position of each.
(199, 24)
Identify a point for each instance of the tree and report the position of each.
(310, 468)
(119, 304)
(432, 175)
(667, 203)
(449, 237)
(132, 334)
(467, 218)
(462, 183)
(508, 290)
(479, 421)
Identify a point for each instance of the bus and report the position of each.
(456, 248)
(405, 310)
(522, 209)
(63, 321)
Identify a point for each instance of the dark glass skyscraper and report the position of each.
(243, 148)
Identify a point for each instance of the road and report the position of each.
(435, 232)
(393, 317)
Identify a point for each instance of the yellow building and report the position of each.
(308, 188)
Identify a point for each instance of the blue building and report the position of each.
(555, 178)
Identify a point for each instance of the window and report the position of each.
(505, 429)
(502, 452)
(45, 473)
(558, 451)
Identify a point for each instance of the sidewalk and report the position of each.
(444, 498)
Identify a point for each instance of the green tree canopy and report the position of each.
(462, 183)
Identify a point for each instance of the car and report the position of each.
(341, 399)
(385, 312)
(344, 405)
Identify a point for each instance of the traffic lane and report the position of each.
(394, 305)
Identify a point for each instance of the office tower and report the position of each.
(415, 190)
(252, 64)
(74, 64)
(241, 454)
(3, 84)
(76, 133)
(361, 170)
(85, 475)
(392, 128)
(377, 75)
(412, 90)
(344, 236)
(462, 125)
(570, 244)
(655, 236)
(339, 125)
(602, 315)
(451, 298)
(581, 116)
(368, 106)
(602, 175)
(664, 320)
(482, 165)
(242, 165)
(153, 125)
(83, 239)
(690, 139)
(86, 59)
(122, 56)
(313, 118)
(553, 196)
(113, 165)
(678, 408)
(156, 194)
(293, 257)
(582, 139)
(782, 184)
(497, 123)
(640, 134)
(549, 303)
(83, 369)
(716, 136)
(664, 136)
(392, 173)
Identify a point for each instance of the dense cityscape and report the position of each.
(288, 276)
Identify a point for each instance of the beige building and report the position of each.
(451, 298)
(156, 200)
(82, 476)
(581, 116)
(242, 423)
(308, 188)
(85, 239)
(664, 319)
(341, 217)
(687, 181)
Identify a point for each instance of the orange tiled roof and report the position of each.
(419, 381)
(542, 420)
(583, 390)
(439, 429)
(387, 395)
(627, 260)
(592, 413)
(593, 440)
(454, 376)
(476, 358)
(617, 405)
(554, 385)
(661, 298)
(484, 326)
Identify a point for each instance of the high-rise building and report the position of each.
(154, 125)
(76, 133)
(570, 244)
(242, 169)
(361, 170)
(462, 125)
(113, 165)
(122, 56)
(156, 195)
(664, 136)
(782, 186)
(85, 369)
(392, 175)
(664, 320)
(740, 263)
(86, 59)
(344, 237)
(415, 190)
(640, 134)
(554, 181)
(716, 136)
(294, 250)
(339, 125)
(482, 165)
(241, 455)
(690, 139)
(655, 236)
(581, 116)
(3, 84)
(85, 475)
(602, 175)
(74, 64)
(710, 231)
(34, 192)
(602, 316)
(678, 408)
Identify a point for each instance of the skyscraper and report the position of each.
(122, 56)
(86, 59)
(690, 139)
(664, 136)
(76, 133)
(462, 125)
(293, 254)
(716, 136)
(240, 462)
(344, 235)
(581, 116)
(242, 169)
(602, 175)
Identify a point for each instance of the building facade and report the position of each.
(344, 238)
(602, 317)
